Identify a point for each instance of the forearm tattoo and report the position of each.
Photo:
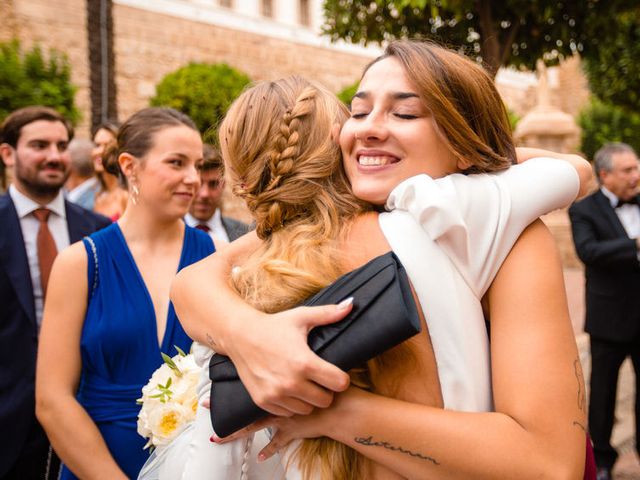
(369, 442)
(580, 426)
(211, 341)
(582, 401)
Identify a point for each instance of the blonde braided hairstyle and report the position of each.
(279, 154)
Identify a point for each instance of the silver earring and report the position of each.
(135, 192)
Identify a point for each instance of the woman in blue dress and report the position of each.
(108, 316)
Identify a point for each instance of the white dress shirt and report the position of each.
(628, 214)
(29, 224)
(216, 229)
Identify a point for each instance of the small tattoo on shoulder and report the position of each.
(370, 442)
(211, 341)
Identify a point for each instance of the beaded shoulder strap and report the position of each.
(94, 250)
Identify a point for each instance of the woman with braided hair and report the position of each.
(452, 234)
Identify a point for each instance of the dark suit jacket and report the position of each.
(234, 228)
(18, 328)
(612, 270)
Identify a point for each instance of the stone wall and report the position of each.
(59, 24)
(8, 25)
(149, 45)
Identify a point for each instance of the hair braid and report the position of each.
(281, 164)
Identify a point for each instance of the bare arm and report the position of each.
(72, 432)
(538, 428)
(582, 166)
(270, 352)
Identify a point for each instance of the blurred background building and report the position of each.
(120, 49)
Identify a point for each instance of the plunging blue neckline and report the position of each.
(170, 318)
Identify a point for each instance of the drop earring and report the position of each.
(135, 193)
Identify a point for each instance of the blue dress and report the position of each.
(119, 341)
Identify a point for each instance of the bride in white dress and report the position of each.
(452, 235)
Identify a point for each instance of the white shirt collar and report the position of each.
(613, 199)
(212, 223)
(25, 205)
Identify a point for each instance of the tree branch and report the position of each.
(512, 31)
(488, 37)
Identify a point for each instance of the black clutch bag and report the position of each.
(384, 314)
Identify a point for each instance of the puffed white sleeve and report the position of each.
(476, 219)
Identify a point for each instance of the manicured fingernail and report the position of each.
(345, 303)
(261, 457)
(214, 438)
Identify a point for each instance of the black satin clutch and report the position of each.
(384, 314)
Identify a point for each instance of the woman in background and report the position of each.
(101, 340)
(111, 199)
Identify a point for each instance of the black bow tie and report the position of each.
(631, 201)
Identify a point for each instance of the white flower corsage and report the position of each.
(169, 400)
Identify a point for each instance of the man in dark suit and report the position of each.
(35, 223)
(205, 209)
(606, 233)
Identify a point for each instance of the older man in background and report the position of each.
(606, 233)
(82, 184)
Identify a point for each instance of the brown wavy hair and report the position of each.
(280, 158)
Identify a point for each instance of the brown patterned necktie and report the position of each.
(204, 227)
(47, 249)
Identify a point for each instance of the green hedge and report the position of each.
(613, 68)
(602, 122)
(31, 78)
(347, 93)
(202, 91)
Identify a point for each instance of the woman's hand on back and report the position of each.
(282, 374)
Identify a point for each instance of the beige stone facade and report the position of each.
(149, 45)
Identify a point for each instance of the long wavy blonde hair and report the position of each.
(279, 154)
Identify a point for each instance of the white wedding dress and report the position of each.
(451, 234)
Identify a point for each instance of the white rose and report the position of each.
(166, 410)
(186, 364)
(166, 421)
(186, 393)
(144, 429)
(160, 376)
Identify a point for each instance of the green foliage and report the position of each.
(602, 123)
(202, 91)
(347, 93)
(613, 68)
(513, 118)
(498, 32)
(30, 78)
